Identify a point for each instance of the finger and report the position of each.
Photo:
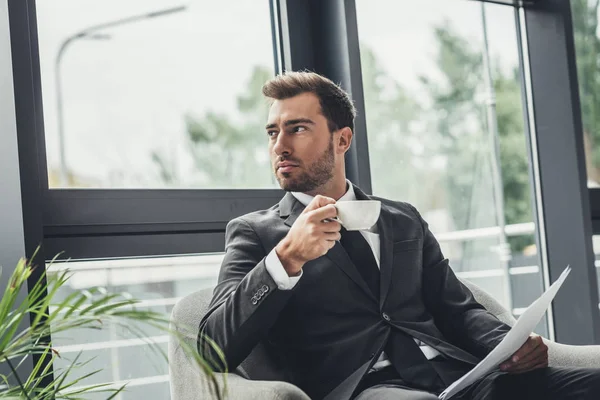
(527, 365)
(532, 368)
(524, 354)
(331, 226)
(330, 244)
(534, 352)
(528, 347)
(542, 363)
(318, 202)
(332, 236)
(325, 212)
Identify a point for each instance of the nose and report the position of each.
(282, 147)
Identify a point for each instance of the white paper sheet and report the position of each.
(513, 340)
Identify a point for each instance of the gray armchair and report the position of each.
(187, 384)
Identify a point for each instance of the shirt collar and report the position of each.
(306, 198)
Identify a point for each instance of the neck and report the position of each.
(335, 189)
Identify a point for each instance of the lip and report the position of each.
(286, 166)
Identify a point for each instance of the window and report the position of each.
(585, 15)
(155, 94)
(432, 123)
(120, 357)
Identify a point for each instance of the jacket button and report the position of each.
(386, 317)
(265, 288)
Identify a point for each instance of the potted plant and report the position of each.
(48, 316)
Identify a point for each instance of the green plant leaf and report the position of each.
(90, 309)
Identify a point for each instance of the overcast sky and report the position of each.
(126, 96)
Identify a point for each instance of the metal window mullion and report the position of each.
(20, 215)
(322, 36)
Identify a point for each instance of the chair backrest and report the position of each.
(188, 312)
(490, 304)
(186, 315)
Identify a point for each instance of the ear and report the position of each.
(344, 139)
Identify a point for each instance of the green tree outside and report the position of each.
(461, 122)
(229, 152)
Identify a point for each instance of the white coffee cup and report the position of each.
(359, 214)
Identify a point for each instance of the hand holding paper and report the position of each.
(532, 355)
(513, 340)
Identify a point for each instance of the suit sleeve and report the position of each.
(456, 312)
(246, 301)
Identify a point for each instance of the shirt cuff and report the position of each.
(277, 272)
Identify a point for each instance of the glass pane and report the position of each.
(587, 48)
(432, 120)
(155, 93)
(117, 354)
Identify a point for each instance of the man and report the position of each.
(374, 314)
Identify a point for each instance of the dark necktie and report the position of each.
(362, 256)
(401, 349)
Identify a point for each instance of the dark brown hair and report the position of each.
(336, 105)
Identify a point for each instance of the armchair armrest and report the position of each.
(189, 383)
(564, 355)
(196, 388)
(241, 388)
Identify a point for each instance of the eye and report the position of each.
(271, 133)
(299, 128)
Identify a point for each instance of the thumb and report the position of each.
(318, 202)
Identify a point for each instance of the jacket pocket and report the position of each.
(405, 245)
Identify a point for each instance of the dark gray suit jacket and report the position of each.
(328, 330)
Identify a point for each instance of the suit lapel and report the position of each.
(290, 209)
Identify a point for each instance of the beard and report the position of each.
(309, 179)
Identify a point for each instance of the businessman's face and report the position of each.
(300, 144)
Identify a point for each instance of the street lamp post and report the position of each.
(92, 34)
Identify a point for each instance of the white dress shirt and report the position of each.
(286, 282)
